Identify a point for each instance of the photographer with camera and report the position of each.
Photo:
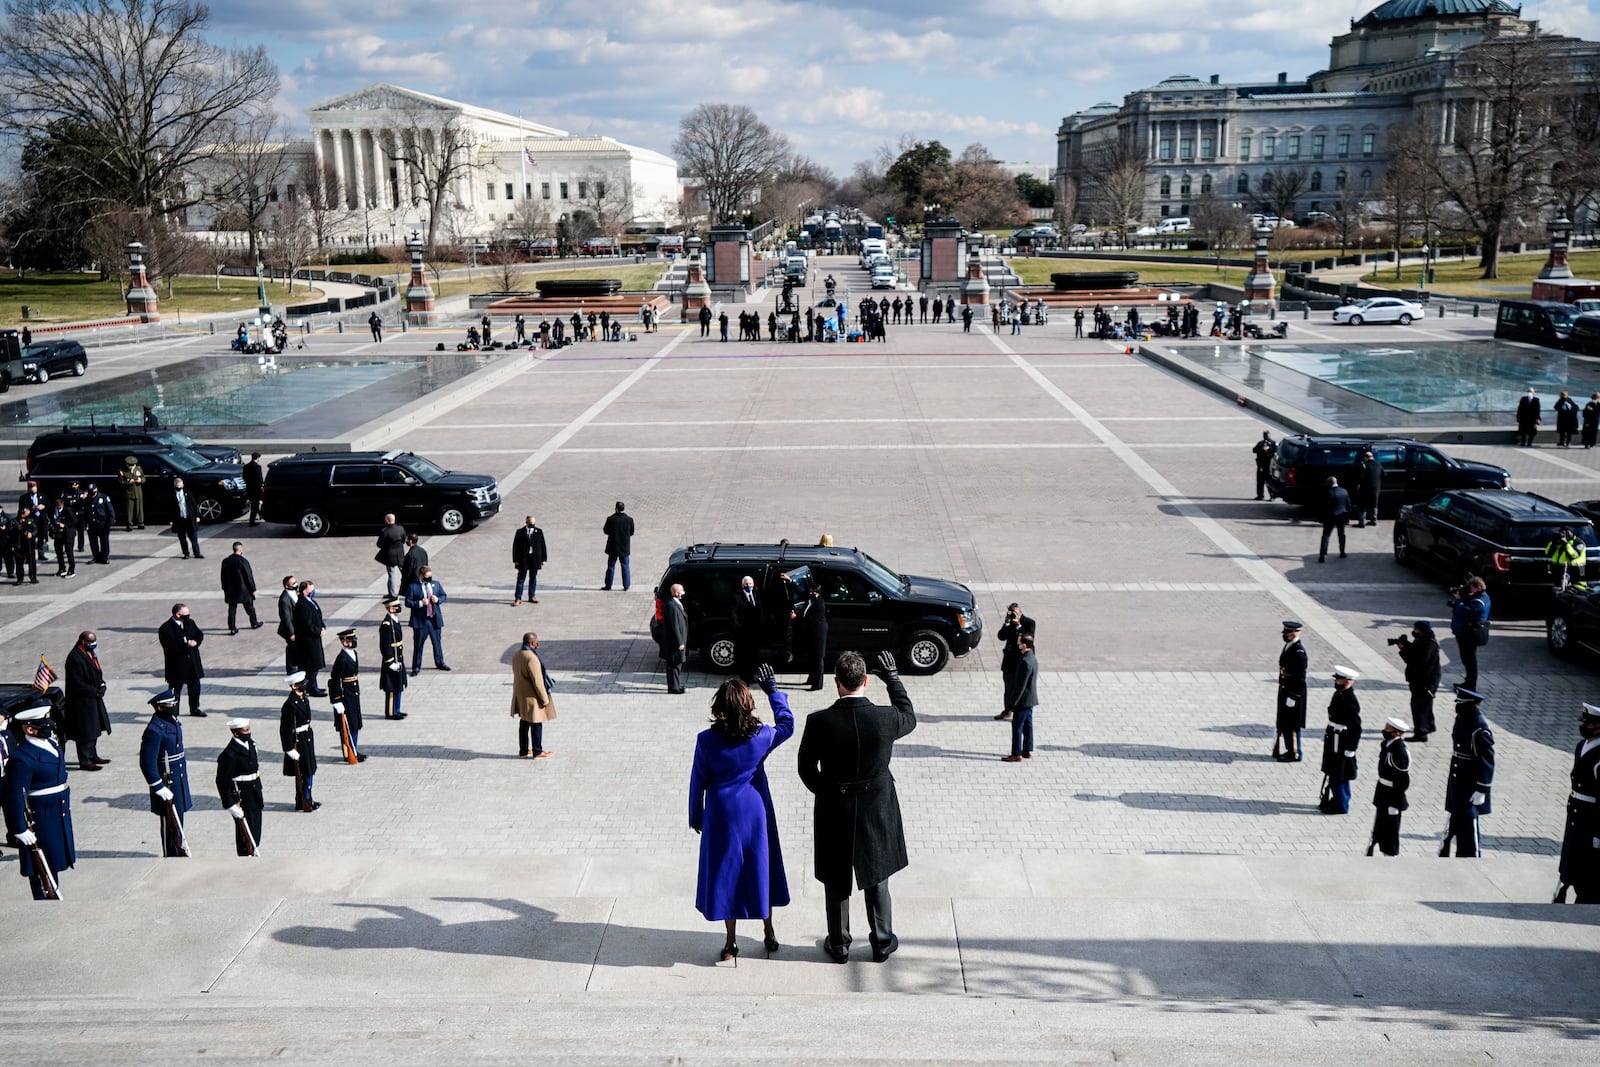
(1420, 652)
(1015, 626)
(1568, 556)
(1469, 622)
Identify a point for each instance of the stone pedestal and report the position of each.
(975, 289)
(1261, 285)
(727, 262)
(696, 293)
(418, 295)
(1556, 266)
(944, 264)
(141, 298)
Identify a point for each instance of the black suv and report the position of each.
(1573, 625)
(1499, 535)
(870, 607)
(218, 488)
(80, 436)
(1412, 471)
(38, 362)
(317, 491)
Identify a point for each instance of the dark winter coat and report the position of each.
(85, 706)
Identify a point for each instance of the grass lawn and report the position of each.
(1458, 277)
(72, 297)
(1037, 271)
(634, 277)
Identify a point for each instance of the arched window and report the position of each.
(1183, 186)
(1339, 180)
(1244, 183)
(1316, 181)
(1166, 185)
(1366, 180)
(1205, 184)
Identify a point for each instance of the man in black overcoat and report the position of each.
(746, 615)
(180, 649)
(299, 742)
(1528, 418)
(1420, 651)
(84, 708)
(844, 761)
(239, 587)
(1368, 490)
(528, 554)
(308, 627)
(286, 600)
(254, 479)
(1015, 625)
(811, 626)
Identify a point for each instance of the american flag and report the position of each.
(527, 154)
(43, 676)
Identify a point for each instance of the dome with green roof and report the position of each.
(1404, 10)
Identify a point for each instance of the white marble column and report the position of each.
(358, 167)
(339, 168)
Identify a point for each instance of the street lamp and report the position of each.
(262, 307)
(1423, 281)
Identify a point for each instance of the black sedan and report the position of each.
(38, 362)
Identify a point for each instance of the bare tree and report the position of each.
(868, 189)
(292, 238)
(730, 152)
(245, 171)
(168, 250)
(1116, 186)
(140, 74)
(608, 198)
(1280, 189)
(435, 161)
(323, 198)
(1575, 175)
(1349, 213)
(529, 221)
(1218, 222)
(1499, 157)
(1411, 189)
(976, 190)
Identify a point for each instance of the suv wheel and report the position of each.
(208, 509)
(1356, 320)
(78, 367)
(1558, 632)
(312, 523)
(452, 520)
(718, 653)
(926, 653)
(1402, 548)
(42, 375)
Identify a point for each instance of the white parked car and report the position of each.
(883, 278)
(1380, 309)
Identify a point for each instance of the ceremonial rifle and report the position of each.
(42, 871)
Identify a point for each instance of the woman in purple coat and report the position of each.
(741, 863)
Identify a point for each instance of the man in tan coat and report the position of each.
(530, 698)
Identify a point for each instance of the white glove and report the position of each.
(1477, 799)
(395, 665)
(293, 753)
(338, 709)
(1351, 754)
(164, 793)
(1394, 811)
(1597, 842)
(236, 811)
(28, 837)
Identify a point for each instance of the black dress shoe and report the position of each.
(318, 692)
(836, 953)
(1418, 738)
(100, 761)
(361, 757)
(443, 667)
(197, 713)
(232, 632)
(883, 952)
(88, 766)
(257, 625)
(416, 672)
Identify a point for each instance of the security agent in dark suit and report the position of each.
(844, 761)
(675, 639)
(286, 601)
(811, 626)
(1335, 514)
(185, 519)
(239, 587)
(618, 529)
(747, 616)
(180, 648)
(1016, 625)
(254, 479)
(528, 554)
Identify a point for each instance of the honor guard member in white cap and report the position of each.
(1580, 846)
(239, 786)
(1394, 778)
(166, 772)
(1291, 717)
(299, 745)
(38, 804)
(392, 647)
(344, 690)
(1339, 742)
(1466, 792)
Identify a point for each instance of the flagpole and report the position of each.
(522, 132)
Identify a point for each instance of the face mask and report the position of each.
(92, 645)
(44, 728)
(354, 642)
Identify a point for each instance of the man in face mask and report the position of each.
(239, 786)
(344, 690)
(1580, 845)
(84, 710)
(299, 742)
(1394, 778)
(392, 647)
(180, 647)
(166, 772)
(38, 803)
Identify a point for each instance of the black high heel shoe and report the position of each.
(729, 951)
(770, 943)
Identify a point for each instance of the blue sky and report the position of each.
(839, 79)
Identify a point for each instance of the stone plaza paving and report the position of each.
(1150, 888)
